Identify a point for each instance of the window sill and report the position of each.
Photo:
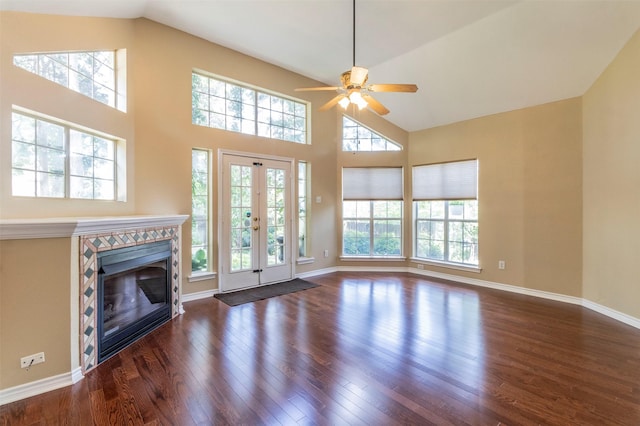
(456, 266)
(305, 260)
(201, 276)
(374, 258)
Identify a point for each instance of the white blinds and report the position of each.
(371, 183)
(446, 181)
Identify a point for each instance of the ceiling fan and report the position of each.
(355, 90)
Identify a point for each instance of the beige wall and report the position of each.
(611, 178)
(35, 317)
(529, 198)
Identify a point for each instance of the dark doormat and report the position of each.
(251, 295)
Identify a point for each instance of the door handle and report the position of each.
(255, 228)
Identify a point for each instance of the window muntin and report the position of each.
(356, 137)
(92, 74)
(223, 105)
(200, 196)
(447, 231)
(303, 179)
(54, 160)
(372, 228)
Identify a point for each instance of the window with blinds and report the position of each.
(446, 212)
(372, 211)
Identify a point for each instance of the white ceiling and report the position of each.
(469, 58)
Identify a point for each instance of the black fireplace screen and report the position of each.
(134, 290)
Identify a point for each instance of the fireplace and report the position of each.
(134, 294)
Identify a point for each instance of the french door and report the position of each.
(256, 226)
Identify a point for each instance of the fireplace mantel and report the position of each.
(20, 229)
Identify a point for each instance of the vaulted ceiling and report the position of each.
(469, 58)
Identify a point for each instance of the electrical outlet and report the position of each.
(32, 360)
(326, 253)
(420, 266)
(501, 264)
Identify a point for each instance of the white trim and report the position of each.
(612, 313)
(373, 258)
(305, 260)
(317, 272)
(40, 386)
(201, 276)
(499, 286)
(190, 297)
(20, 229)
(448, 265)
(573, 300)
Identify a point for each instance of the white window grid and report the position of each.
(356, 137)
(302, 208)
(445, 233)
(229, 106)
(91, 73)
(201, 195)
(56, 160)
(372, 231)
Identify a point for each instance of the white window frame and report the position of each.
(119, 156)
(304, 174)
(455, 181)
(113, 81)
(366, 186)
(362, 138)
(252, 115)
(201, 218)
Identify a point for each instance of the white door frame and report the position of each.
(221, 215)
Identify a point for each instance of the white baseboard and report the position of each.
(612, 313)
(38, 387)
(499, 286)
(317, 272)
(190, 297)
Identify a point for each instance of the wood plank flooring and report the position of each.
(364, 348)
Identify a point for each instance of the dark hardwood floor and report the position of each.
(364, 348)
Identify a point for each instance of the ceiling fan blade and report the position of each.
(409, 88)
(331, 103)
(315, 89)
(359, 75)
(375, 105)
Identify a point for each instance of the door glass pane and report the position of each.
(276, 247)
(241, 218)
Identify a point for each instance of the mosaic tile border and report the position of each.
(90, 246)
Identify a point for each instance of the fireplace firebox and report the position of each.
(134, 294)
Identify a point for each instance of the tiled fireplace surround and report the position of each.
(90, 246)
(98, 235)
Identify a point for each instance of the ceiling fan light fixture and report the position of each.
(356, 98)
(344, 102)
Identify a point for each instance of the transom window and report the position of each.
(92, 74)
(356, 137)
(50, 159)
(223, 105)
